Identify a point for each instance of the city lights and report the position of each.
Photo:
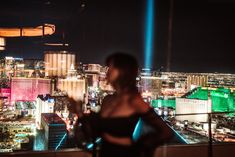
(57, 63)
(30, 97)
(35, 98)
(56, 91)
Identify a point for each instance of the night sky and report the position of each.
(203, 36)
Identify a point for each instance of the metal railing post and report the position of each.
(210, 149)
(94, 150)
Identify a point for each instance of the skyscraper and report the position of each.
(55, 131)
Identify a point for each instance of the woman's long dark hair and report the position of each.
(128, 67)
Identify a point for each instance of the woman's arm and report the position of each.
(149, 116)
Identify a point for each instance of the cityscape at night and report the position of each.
(186, 71)
(31, 92)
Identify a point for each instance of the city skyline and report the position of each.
(202, 37)
(37, 99)
(58, 97)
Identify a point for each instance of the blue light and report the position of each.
(137, 131)
(51, 100)
(98, 140)
(181, 137)
(62, 139)
(90, 146)
(149, 31)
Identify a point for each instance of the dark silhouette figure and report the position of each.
(120, 114)
(121, 111)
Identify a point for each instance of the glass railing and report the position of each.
(191, 130)
(198, 128)
(215, 128)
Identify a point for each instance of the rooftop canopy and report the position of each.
(49, 29)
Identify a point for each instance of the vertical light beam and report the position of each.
(149, 31)
(169, 42)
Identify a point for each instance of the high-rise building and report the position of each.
(72, 73)
(2, 44)
(27, 89)
(75, 88)
(44, 104)
(55, 131)
(11, 66)
(150, 86)
(203, 101)
(34, 68)
(19, 67)
(222, 98)
(194, 81)
(92, 72)
(194, 106)
(58, 63)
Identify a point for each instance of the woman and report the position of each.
(121, 111)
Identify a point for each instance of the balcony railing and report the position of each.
(196, 150)
(211, 142)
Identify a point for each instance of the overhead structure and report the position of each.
(46, 29)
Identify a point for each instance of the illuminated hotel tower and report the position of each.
(58, 63)
(196, 80)
(75, 88)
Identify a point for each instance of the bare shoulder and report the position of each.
(139, 105)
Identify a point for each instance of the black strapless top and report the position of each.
(119, 126)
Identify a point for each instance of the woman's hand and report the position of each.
(75, 106)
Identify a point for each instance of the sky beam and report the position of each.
(149, 34)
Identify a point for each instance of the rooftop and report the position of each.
(52, 118)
